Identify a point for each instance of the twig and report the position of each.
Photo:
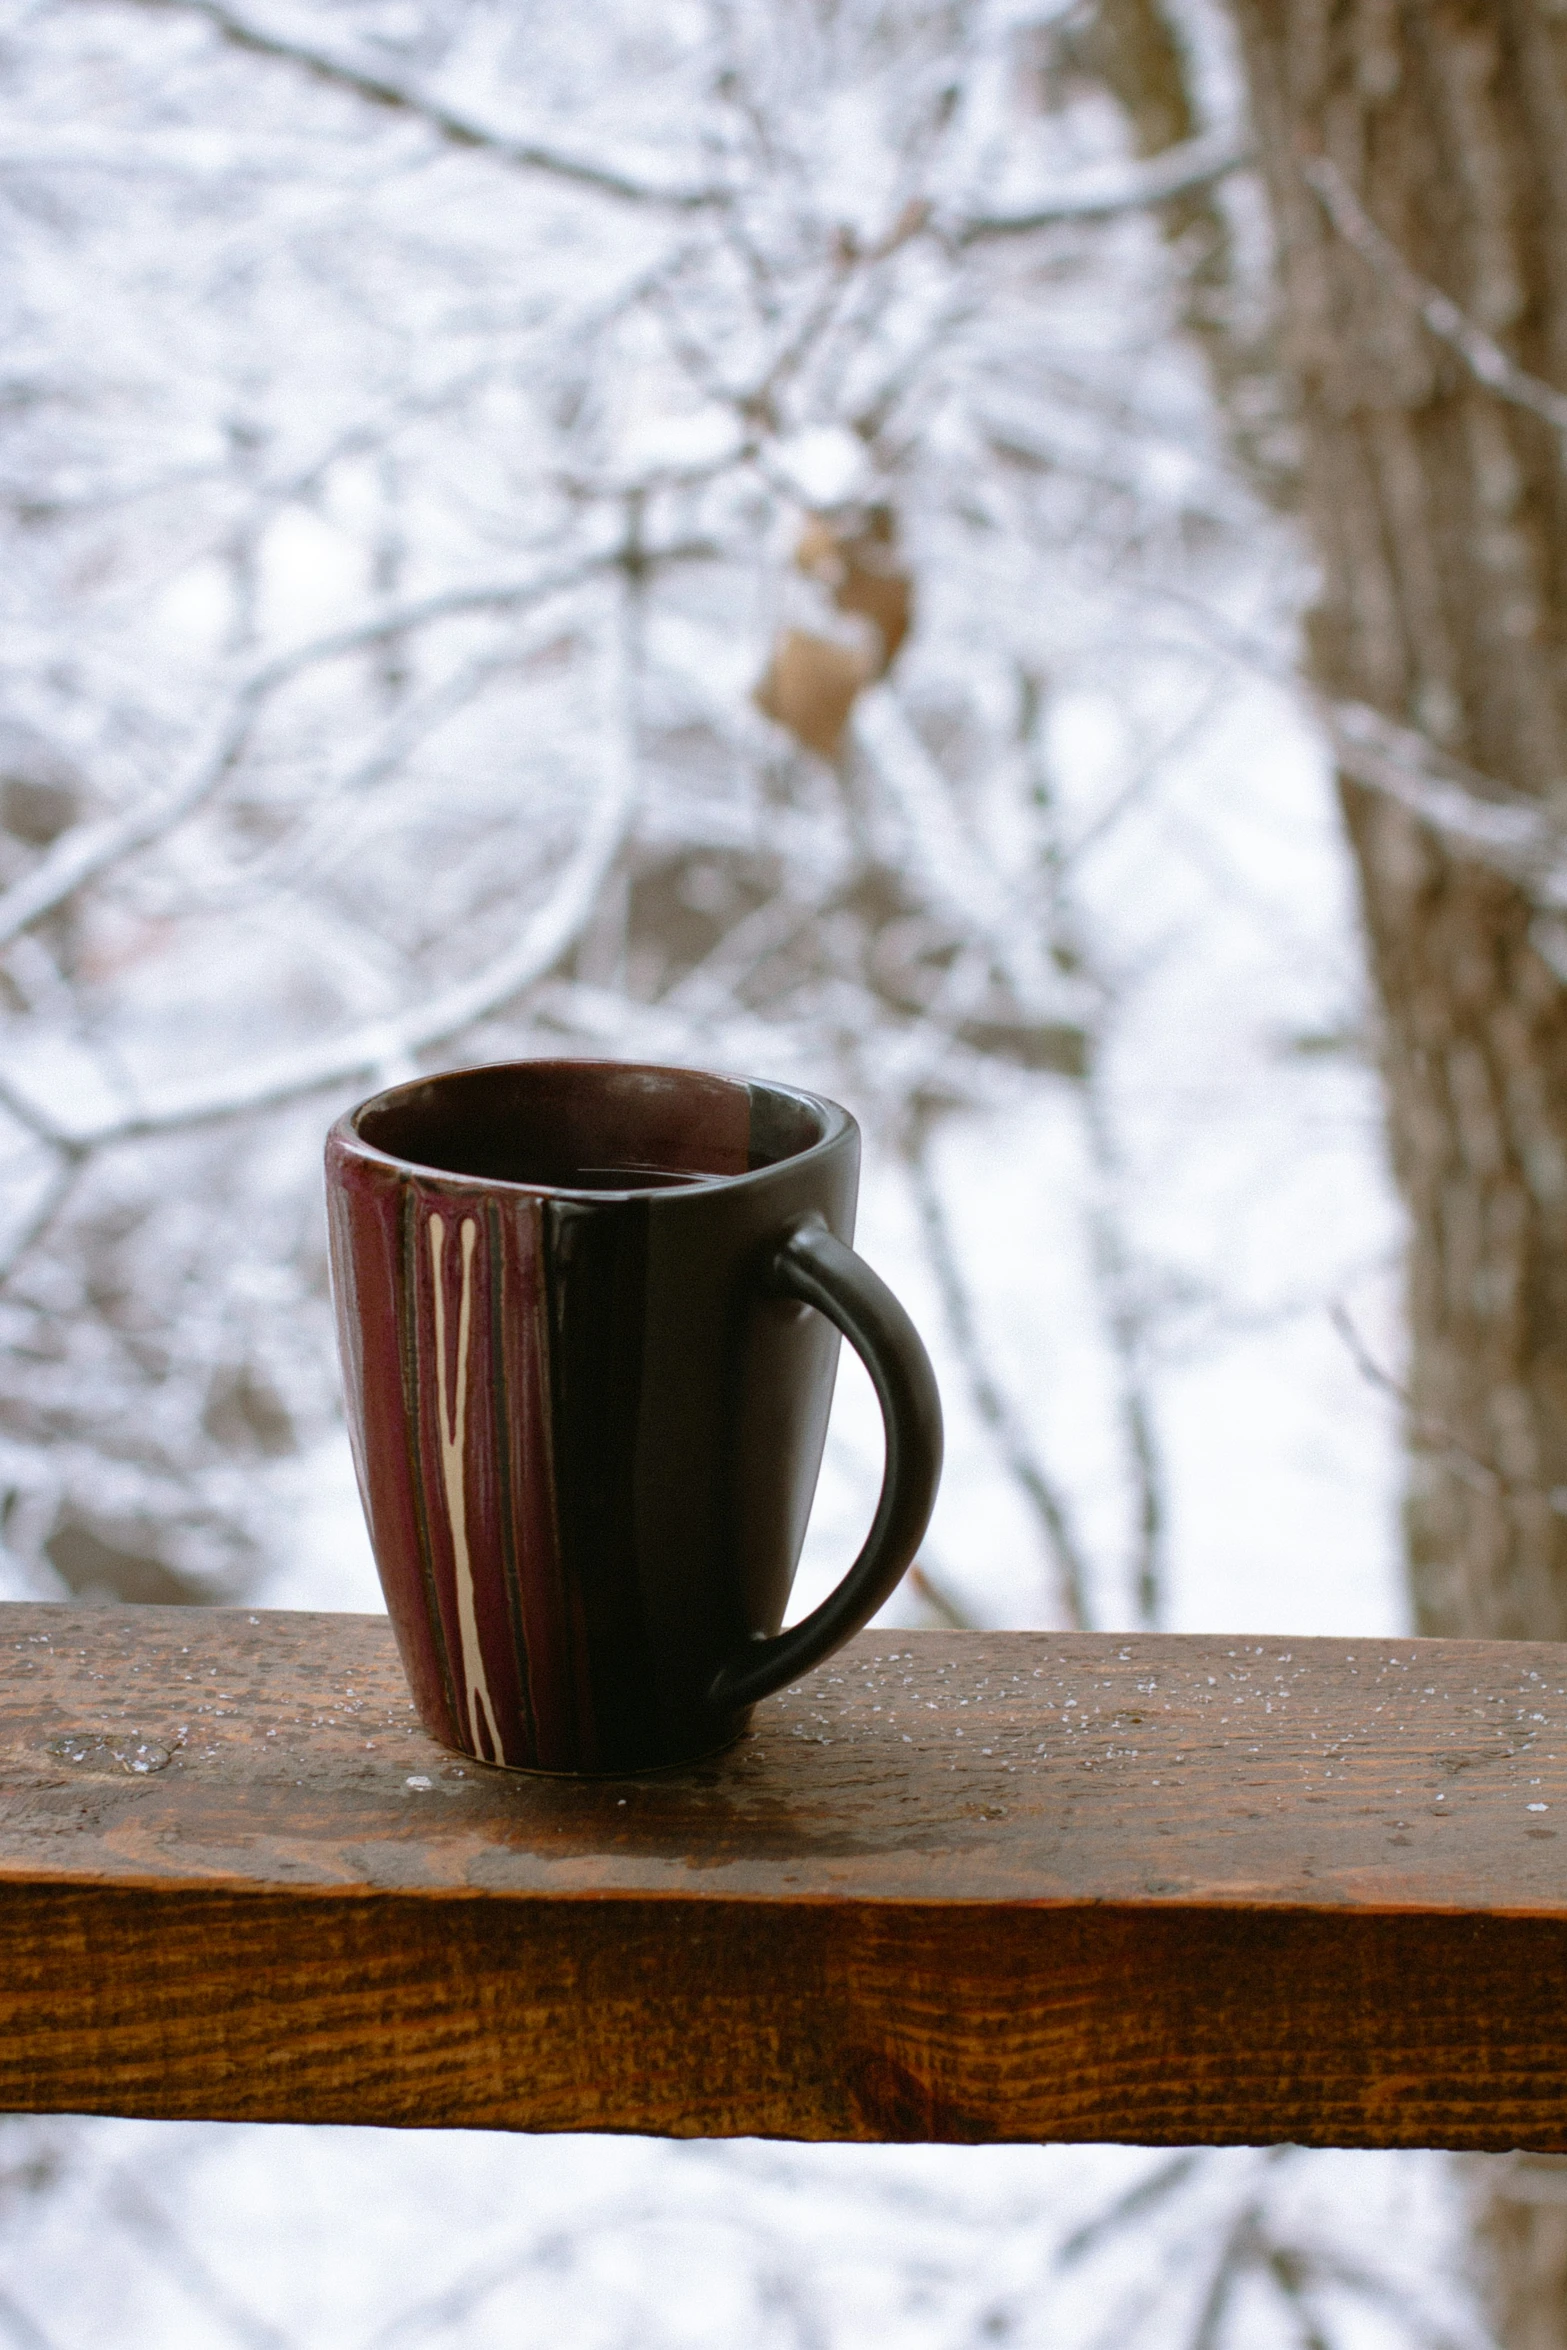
(1124, 1320)
(1499, 826)
(1289, 2273)
(25, 2331)
(140, 2212)
(1422, 1433)
(1351, 2276)
(453, 129)
(282, 1077)
(1237, 2253)
(87, 850)
(1155, 2188)
(940, 1600)
(328, 838)
(1195, 163)
(1485, 359)
(1049, 1504)
(710, 987)
(1147, 772)
(954, 870)
(62, 1181)
(446, 2309)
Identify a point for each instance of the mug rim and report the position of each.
(837, 1122)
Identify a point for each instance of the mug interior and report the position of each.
(590, 1125)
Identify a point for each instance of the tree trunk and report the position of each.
(1439, 513)
(1136, 48)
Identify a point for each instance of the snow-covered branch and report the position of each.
(1049, 1502)
(1482, 818)
(390, 1042)
(1485, 359)
(1116, 188)
(452, 127)
(955, 872)
(89, 850)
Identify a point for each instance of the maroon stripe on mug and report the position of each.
(410, 1356)
(476, 1278)
(501, 1300)
(366, 1241)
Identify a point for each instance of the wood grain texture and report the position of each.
(956, 1885)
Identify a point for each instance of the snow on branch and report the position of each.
(381, 1044)
(88, 850)
(952, 868)
(1497, 827)
(1485, 359)
(1127, 187)
(1046, 1497)
(451, 127)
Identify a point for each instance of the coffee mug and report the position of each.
(589, 1314)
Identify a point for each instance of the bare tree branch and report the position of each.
(1314, 2270)
(1290, 2276)
(449, 2305)
(25, 2332)
(1424, 1434)
(951, 866)
(1153, 2188)
(87, 850)
(1237, 2252)
(283, 1077)
(1049, 1504)
(1125, 1321)
(171, 2249)
(1485, 359)
(1486, 820)
(1124, 1309)
(452, 128)
(939, 1599)
(1126, 187)
(46, 1211)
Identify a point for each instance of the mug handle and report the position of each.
(813, 1266)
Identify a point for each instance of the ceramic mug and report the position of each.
(589, 1314)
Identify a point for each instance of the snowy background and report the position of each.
(414, 420)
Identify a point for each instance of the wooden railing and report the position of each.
(956, 1885)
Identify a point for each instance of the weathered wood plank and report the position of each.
(966, 1886)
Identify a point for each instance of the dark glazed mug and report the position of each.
(589, 1316)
